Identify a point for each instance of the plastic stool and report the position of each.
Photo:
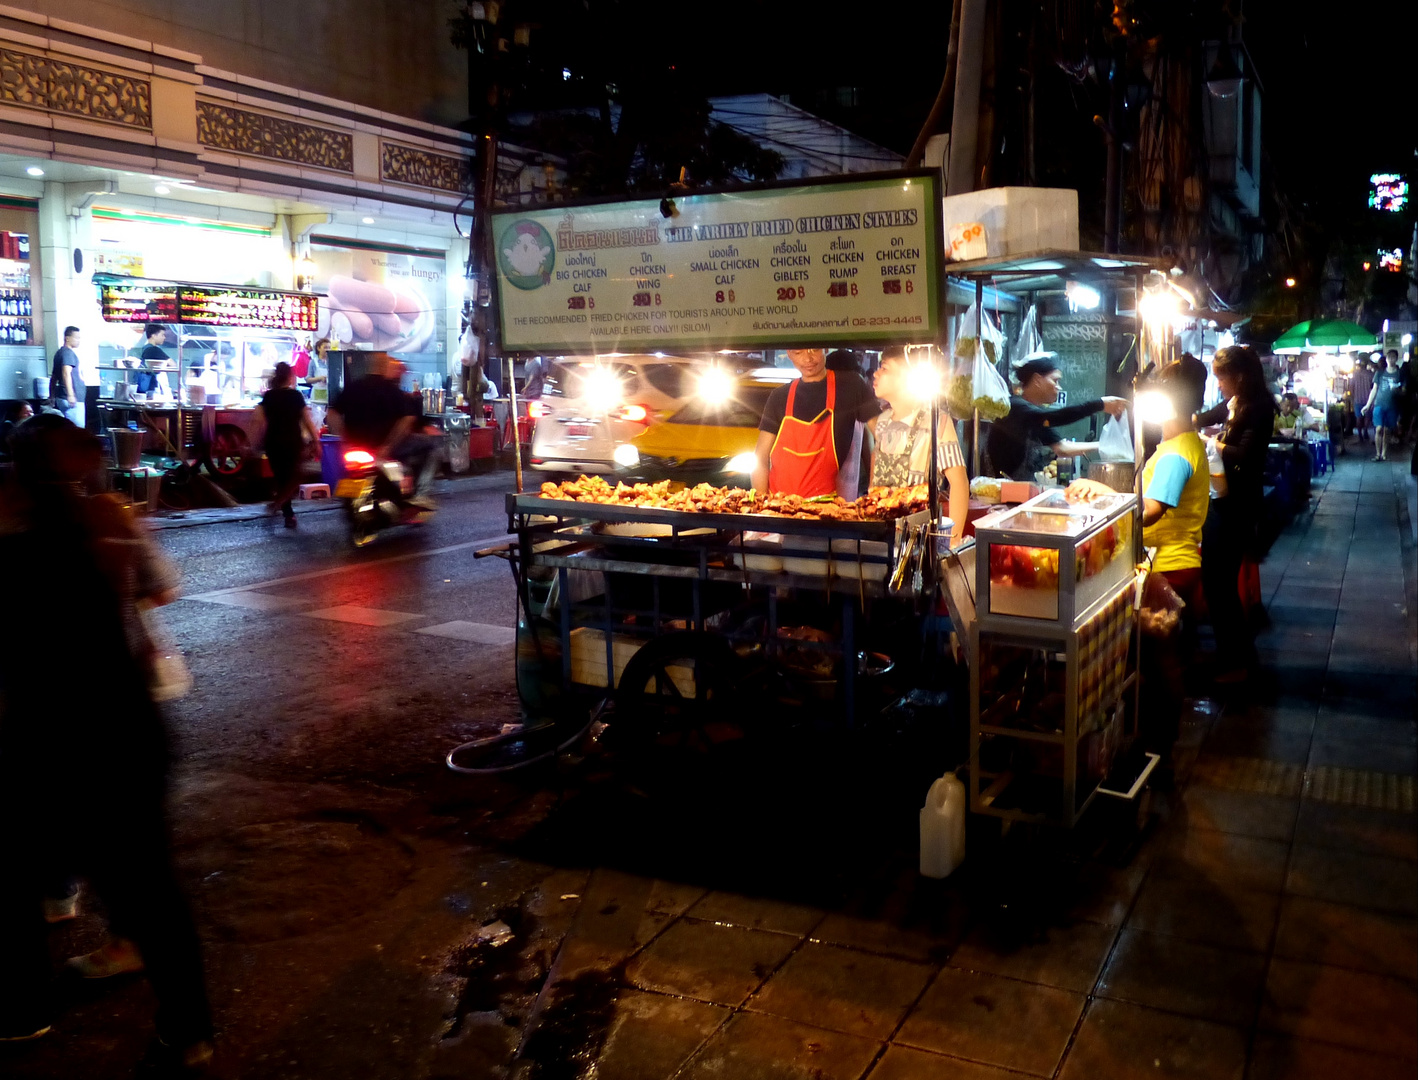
(314, 491)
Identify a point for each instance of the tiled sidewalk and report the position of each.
(1266, 930)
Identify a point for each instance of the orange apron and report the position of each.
(804, 456)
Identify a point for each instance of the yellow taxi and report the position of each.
(709, 439)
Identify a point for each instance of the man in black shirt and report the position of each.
(372, 412)
(152, 352)
(65, 387)
(783, 449)
(1025, 441)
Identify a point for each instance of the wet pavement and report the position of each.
(366, 913)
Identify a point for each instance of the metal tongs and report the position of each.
(909, 561)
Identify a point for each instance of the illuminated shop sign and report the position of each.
(211, 306)
(1388, 191)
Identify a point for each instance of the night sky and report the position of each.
(1339, 83)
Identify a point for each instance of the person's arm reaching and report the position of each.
(759, 477)
(307, 422)
(1059, 415)
(1217, 414)
(957, 479)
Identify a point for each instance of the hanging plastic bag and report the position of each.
(1115, 444)
(991, 392)
(989, 345)
(1028, 340)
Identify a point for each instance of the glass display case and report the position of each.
(1052, 654)
(1052, 560)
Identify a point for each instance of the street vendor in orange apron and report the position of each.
(807, 438)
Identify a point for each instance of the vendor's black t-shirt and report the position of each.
(283, 408)
(855, 403)
(370, 407)
(1015, 441)
(148, 382)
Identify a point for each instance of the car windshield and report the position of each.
(569, 380)
(743, 410)
(672, 380)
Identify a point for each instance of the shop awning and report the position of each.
(1328, 334)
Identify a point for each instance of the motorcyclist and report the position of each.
(372, 412)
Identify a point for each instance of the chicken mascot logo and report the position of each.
(526, 255)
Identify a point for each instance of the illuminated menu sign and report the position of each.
(812, 265)
(139, 303)
(262, 309)
(248, 307)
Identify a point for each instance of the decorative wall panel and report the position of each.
(423, 168)
(40, 82)
(240, 131)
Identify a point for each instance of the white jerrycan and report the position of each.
(943, 828)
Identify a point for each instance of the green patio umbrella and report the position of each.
(1324, 334)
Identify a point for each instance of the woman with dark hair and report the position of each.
(1025, 441)
(283, 419)
(1247, 416)
(83, 771)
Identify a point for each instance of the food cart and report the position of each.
(676, 602)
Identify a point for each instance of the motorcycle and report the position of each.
(376, 495)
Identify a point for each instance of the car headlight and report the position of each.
(626, 456)
(716, 386)
(742, 463)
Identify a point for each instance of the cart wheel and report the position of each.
(228, 452)
(680, 690)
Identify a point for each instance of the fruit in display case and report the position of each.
(1024, 567)
(1098, 551)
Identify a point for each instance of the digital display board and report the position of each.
(139, 303)
(210, 305)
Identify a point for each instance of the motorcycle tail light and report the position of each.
(358, 457)
(639, 414)
(536, 410)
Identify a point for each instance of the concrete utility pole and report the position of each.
(965, 119)
(484, 111)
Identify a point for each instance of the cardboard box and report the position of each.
(588, 660)
(1016, 220)
(1017, 491)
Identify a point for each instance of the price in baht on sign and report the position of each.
(839, 262)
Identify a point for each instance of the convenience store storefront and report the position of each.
(193, 176)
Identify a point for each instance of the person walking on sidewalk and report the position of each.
(283, 423)
(84, 774)
(1383, 403)
(66, 388)
(1361, 385)
(1247, 415)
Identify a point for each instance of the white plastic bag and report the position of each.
(1115, 444)
(989, 345)
(991, 391)
(1028, 340)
